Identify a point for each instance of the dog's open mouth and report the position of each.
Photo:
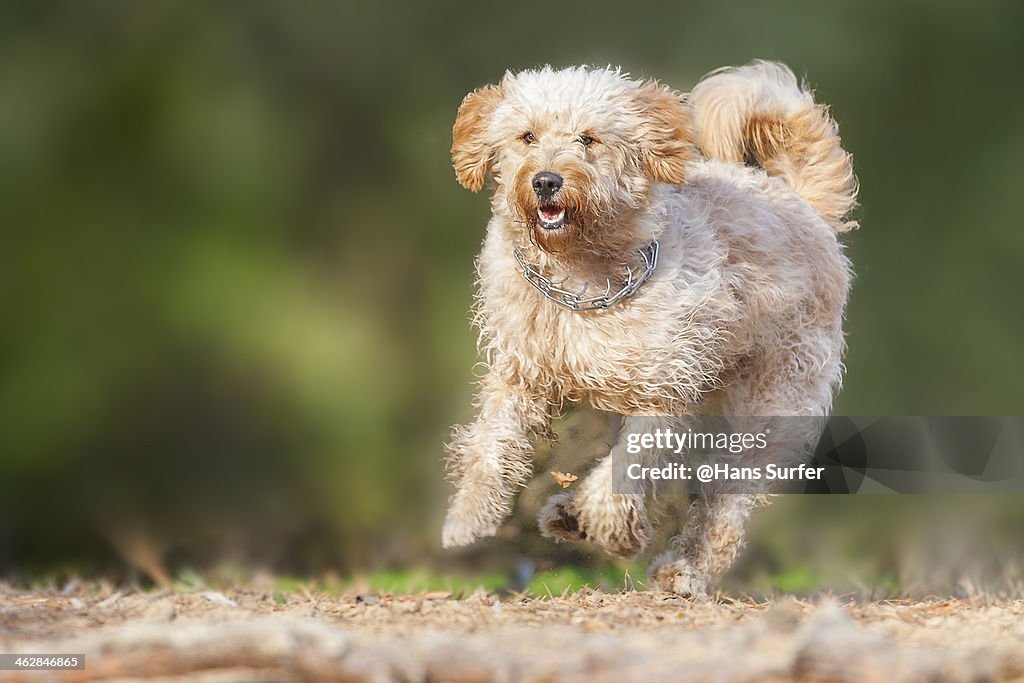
(552, 217)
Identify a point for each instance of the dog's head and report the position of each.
(572, 152)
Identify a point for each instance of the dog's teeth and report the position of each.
(549, 217)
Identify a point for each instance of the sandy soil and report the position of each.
(249, 634)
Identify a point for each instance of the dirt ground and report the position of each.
(251, 634)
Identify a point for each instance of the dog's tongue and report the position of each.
(552, 215)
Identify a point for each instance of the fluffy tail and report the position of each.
(758, 114)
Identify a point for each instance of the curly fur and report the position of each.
(744, 184)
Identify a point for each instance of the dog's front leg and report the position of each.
(711, 539)
(490, 458)
(608, 508)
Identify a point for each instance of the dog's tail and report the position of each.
(758, 114)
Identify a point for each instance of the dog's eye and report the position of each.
(528, 137)
(585, 140)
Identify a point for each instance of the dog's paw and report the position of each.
(470, 519)
(677, 576)
(617, 524)
(460, 532)
(558, 520)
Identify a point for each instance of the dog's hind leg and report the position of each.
(615, 521)
(608, 509)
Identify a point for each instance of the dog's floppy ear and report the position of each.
(667, 141)
(471, 154)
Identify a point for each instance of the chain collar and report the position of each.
(578, 301)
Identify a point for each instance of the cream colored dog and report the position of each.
(650, 254)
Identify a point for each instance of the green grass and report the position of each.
(562, 581)
(568, 580)
(797, 581)
(394, 583)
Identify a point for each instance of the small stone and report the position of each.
(367, 599)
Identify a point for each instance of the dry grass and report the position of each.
(253, 633)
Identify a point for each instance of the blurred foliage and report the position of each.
(236, 267)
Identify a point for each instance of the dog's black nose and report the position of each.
(546, 184)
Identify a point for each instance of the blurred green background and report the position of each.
(235, 270)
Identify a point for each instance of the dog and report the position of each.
(654, 255)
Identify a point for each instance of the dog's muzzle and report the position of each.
(551, 215)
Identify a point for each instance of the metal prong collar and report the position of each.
(579, 301)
